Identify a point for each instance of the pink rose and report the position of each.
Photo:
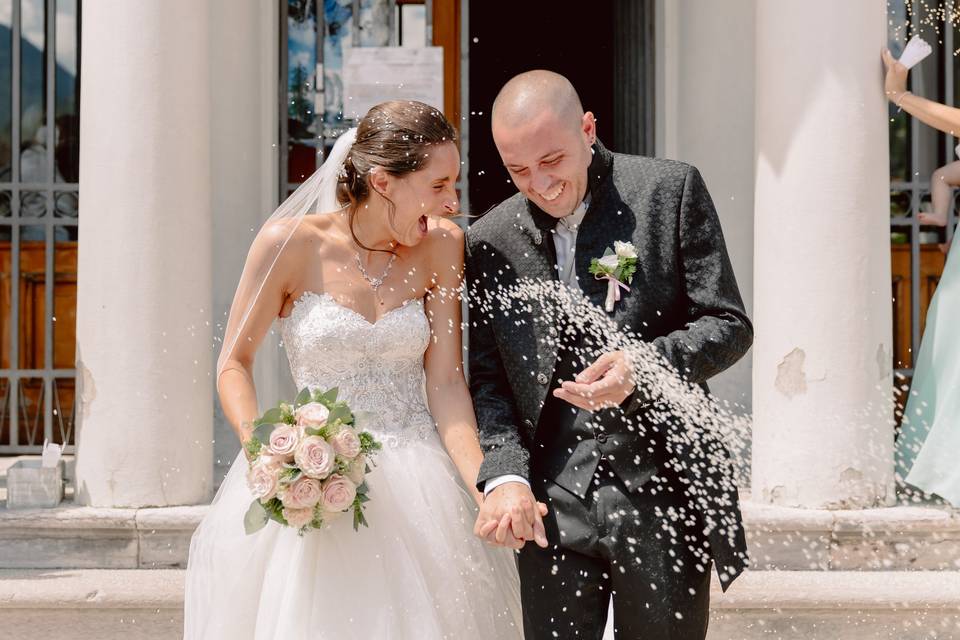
(298, 518)
(338, 493)
(315, 457)
(271, 462)
(312, 414)
(302, 493)
(283, 441)
(262, 480)
(357, 469)
(346, 443)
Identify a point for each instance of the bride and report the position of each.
(360, 269)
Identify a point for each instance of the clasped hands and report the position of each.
(510, 515)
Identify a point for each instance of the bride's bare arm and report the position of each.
(238, 395)
(447, 392)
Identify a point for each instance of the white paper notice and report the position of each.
(372, 75)
(50, 455)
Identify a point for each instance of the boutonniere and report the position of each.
(617, 267)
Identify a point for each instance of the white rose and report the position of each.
(346, 443)
(312, 414)
(610, 262)
(625, 249)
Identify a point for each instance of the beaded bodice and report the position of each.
(378, 367)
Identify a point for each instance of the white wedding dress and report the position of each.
(417, 572)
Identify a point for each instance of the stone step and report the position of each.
(75, 537)
(827, 605)
(142, 604)
(132, 604)
(921, 537)
(894, 538)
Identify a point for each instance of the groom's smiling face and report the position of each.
(548, 156)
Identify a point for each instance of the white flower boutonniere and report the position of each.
(617, 267)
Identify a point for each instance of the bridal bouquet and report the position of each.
(307, 464)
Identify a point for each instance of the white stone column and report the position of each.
(822, 374)
(144, 294)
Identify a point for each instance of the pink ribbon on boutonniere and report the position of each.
(613, 291)
(616, 266)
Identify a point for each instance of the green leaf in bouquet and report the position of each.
(272, 416)
(339, 412)
(358, 517)
(262, 432)
(317, 521)
(328, 398)
(302, 398)
(368, 444)
(289, 475)
(253, 447)
(323, 432)
(256, 518)
(274, 509)
(287, 414)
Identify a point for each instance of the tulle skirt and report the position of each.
(417, 572)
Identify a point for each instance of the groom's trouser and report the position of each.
(638, 547)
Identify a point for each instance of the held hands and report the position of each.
(895, 82)
(606, 383)
(510, 516)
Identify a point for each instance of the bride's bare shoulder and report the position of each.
(445, 233)
(444, 244)
(291, 234)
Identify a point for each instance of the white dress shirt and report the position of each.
(565, 242)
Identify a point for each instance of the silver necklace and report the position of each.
(375, 283)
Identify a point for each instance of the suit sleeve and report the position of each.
(503, 449)
(717, 331)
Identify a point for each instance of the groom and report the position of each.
(577, 434)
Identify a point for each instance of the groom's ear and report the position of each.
(588, 125)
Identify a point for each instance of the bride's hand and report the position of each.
(500, 532)
(895, 82)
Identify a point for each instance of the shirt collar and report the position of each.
(573, 221)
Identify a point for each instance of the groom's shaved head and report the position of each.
(545, 139)
(533, 92)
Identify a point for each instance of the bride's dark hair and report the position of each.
(395, 136)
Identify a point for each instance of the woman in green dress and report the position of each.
(929, 443)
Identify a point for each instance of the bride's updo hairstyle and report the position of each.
(396, 137)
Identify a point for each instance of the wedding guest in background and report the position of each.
(927, 448)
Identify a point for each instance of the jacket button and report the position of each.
(601, 438)
(542, 378)
(528, 423)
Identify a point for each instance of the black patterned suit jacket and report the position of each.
(683, 299)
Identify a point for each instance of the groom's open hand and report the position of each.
(606, 383)
(510, 515)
